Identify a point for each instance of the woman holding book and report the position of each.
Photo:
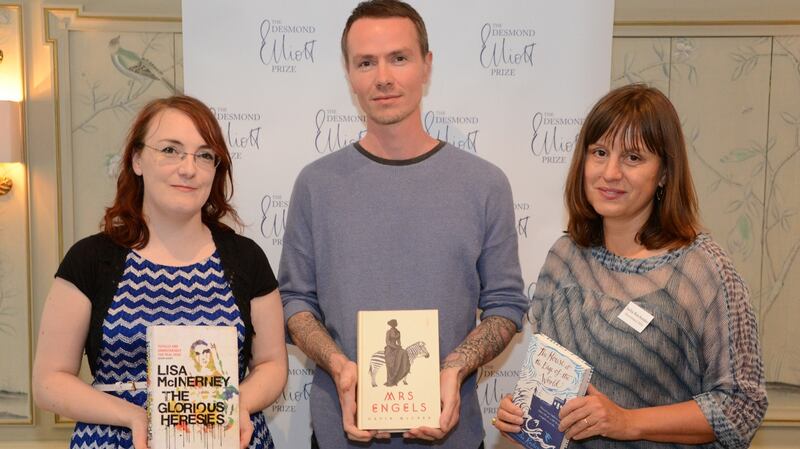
(164, 256)
(693, 374)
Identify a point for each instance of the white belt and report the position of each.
(121, 386)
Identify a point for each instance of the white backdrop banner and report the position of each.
(511, 83)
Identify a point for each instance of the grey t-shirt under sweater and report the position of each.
(365, 233)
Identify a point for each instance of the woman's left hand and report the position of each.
(594, 414)
(245, 429)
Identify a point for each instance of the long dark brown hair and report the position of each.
(124, 221)
(645, 120)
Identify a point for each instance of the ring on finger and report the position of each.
(494, 420)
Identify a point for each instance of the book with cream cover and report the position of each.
(398, 370)
(550, 376)
(193, 387)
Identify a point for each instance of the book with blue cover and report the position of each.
(550, 376)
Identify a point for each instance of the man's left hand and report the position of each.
(449, 384)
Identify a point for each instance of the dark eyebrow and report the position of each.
(404, 51)
(357, 57)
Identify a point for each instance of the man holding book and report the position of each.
(398, 220)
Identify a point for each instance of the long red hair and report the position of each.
(124, 221)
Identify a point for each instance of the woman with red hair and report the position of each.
(164, 256)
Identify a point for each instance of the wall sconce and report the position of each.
(10, 138)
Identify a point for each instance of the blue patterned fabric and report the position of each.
(151, 294)
(701, 345)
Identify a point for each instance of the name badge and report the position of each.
(635, 317)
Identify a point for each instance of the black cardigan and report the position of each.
(95, 265)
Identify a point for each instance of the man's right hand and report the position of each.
(345, 374)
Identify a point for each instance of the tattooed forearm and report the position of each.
(313, 339)
(483, 344)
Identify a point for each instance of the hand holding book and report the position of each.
(138, 426)
(594, 414)
(345, 376)
(581, 417)
(509, 417)
(449, 387)
(245, 428)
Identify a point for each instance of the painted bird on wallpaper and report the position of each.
(135, 67)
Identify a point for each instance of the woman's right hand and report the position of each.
(137, 422)
(509, 418)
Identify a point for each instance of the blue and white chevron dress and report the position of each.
(151, 294)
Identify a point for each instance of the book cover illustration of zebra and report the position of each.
(193, 387)
(550, 376)
(398, 370)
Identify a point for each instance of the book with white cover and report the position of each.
(550, 376)
(398, 370)
(193, 387)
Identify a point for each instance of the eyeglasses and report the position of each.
(172, 154)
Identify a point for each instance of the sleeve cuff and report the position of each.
(512, 313)
(724, 430)
(292, 307)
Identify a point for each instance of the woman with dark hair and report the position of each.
(164, 256)
(690, 371)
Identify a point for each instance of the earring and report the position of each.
(660, 193)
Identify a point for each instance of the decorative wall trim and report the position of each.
(27, 225)
(705, 28)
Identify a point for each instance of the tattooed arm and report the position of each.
(315, 341)
(483, 344)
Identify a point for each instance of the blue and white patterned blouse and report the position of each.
(152, 294)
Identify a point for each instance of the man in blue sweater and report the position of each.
(398, 220)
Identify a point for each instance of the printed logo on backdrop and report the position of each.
(286, 46)
(530, 289)
(554, 137)
(459, 130)
(273, 218)
(334, 130)
(493, 384)
(294, 394)
(506, 50)
(522, 211)
(241, 129)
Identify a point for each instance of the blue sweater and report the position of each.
(364, 233)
